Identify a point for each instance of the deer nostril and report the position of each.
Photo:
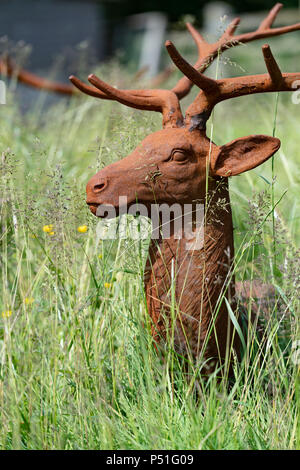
(99, 187)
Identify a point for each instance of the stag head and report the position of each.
(172, 165)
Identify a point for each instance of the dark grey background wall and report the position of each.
(54, 27)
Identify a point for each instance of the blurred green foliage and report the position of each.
(175, 9)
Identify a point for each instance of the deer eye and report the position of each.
(179, 156)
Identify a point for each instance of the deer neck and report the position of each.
(195, 270)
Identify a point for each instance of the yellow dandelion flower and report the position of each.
(107, 285)
(6, 314)
(100, 256)
(82, 228)
(51, 233)
(29, 300)
(47, 228)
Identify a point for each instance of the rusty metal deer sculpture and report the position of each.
(187, 167)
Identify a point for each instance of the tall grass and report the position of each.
(78, 369)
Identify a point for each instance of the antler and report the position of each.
(208, 52)
(8, 68)
(214, 91)
(199, 111)
(164, 101)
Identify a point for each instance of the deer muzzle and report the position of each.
(94, 188)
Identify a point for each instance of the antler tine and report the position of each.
(92, 91)
(101, 89)
(203, 82)
(184, 85)
(88, 90)
(269, 20)
(265, 29)
(272, 66)
(7, 67)
(232, 27)
(198, 38)
(164, 101)
(124, 97)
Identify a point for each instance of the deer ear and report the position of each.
(243, 154)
